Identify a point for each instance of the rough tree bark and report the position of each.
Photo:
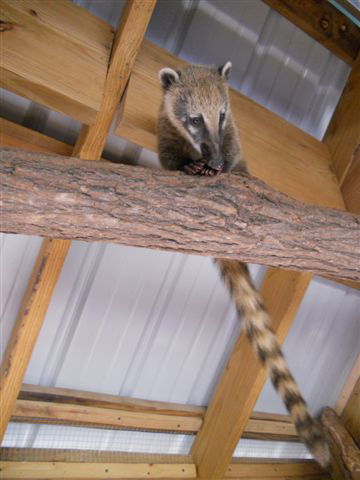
(346, 455)
(225, 216)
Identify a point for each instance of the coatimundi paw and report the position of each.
(199, 168)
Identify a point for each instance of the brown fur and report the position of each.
(196, 91)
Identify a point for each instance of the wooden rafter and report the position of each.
(350, 187)
(351, 414)
(128, 38)
(25, 331)
(243, 378)
(98, 471)
(64, 197)
(104, 465)
(34, 305)
(348, 387)
(71, 407)
(324, 22)
(348, 404)
(343, 133)
(59, 47)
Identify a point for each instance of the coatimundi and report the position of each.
(196, 134)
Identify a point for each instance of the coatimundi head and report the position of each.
(196, 103)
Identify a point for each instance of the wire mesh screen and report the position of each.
(270, 449)
(74, 443)
(81, 438)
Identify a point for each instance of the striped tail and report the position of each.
(257, 325)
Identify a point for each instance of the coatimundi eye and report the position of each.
(222, 117)
(196, 121)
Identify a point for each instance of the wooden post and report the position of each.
(53, 253)
(343, 133)
(243, 378)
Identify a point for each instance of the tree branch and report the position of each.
(225, 216)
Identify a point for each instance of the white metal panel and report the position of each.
(120, 317)
(17, 257)
(322, 345)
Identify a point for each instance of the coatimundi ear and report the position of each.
(225, 70)
(168, 77)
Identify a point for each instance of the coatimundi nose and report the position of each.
(212, 157)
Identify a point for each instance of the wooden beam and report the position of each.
(346, 455)
(351, 414)
(348, 404)
(68, 414)
(323, 22)
(350, 187)
(14, 135)
(258, 468)
(10, 454)
(69, 407)
(53, 21)
(134, 21)
(97, 201)
(348, 387)
(28, 324)
(347, 283)
(96, 470)
(275, 468)
(62, 470)
(240, 385)
(51, 52)
(343, 133)
(106, 401)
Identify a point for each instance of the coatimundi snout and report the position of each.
(197, 134)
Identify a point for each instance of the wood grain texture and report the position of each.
(97, 201)
(351, 413)
(246, 468)
(343, 133)
(28, 324)
(101, 400)
(323, 22)
(68, 407)
(347, 283)
(346, 455)
(18, 136)
(89, 456)
(61, 470)
(348, 387)
(129, 35)
(68, 414)
(52, 51)
(351, 185)
(243, 378)
(280, 154)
